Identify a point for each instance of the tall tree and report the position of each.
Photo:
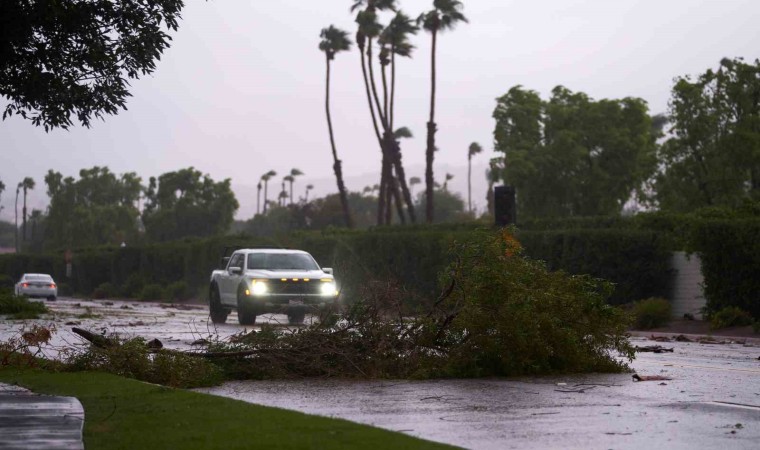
(18, 190)
(335, 40)
(394, 41)
(448, 178)
(414, 181)
(265, 178)
(369, 28)
(572, 155)
(293, 174)
(27, 184)
(188, 203)
(308, 188)
(713, 154)
(98, 208)
(445, 15)
(494, 173)
(2, 188)
(473, 150)
(74, 59)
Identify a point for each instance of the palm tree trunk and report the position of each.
(266, 195)
(381, 195)
(15, 228)
(431, 129)
(258, 200)
(469, 183)
(23, 218)
(337, 163)
(397, 200)
(291, 193)
(396, 148)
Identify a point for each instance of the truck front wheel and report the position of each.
(246, 312)
(217, 312)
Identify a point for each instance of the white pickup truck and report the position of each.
(259, 281)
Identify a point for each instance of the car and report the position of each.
(259, 281)
(37, 285)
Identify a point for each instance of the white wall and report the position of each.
(687, 285)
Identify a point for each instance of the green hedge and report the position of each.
(636, 261)
(730, 253)
(411, 256)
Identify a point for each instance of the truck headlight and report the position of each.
(258, 287)
(328, 288)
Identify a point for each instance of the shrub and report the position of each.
(730, 316)
(178, 291)
(20, 307)
(133, 285)
(651, 313)
(517, 317)
(103, 291)
(152, 292)
(6, 282)
(64, 289)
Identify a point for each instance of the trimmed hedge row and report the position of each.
(413, 257)
(730, 253)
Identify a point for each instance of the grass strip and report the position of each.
(121, 413)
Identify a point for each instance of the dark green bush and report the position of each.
(104, 290)
(133, 285)
(178, 291)
(20, 307)
(730, 316)
(6, 282)
(651, 313)
(730, 254)
(636, 261)
(152, 292)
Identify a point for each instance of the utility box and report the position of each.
(505, 207)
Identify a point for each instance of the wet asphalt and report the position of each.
(711, 401)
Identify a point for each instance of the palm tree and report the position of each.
(444, 16)
(333, 41)
(265, 178)
(446, 183)
(258, 196)
(293, 174)
(26, 184)
(368, 29)
(15, 228)
(308, 188)
(473, 150)
(289, 179)
(414, 181)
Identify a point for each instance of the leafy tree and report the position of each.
(7, 234)
(493, 175)
(472, 150)
(333, 41)
(98, 208)
(445, 15)
(60, 59)
(187, 203)
(449, 206)
(713, 156)
(572, 155)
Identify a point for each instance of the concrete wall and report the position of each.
(687, 285)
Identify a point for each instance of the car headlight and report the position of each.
(328, 288)
(258, 287)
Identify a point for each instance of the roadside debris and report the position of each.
(654, 349)
(682, 338)
(637, 377)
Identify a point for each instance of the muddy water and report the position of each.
(712, 401)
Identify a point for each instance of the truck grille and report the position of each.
(290, 287)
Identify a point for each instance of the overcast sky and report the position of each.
(241, 90)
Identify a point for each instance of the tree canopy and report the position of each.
(187, 203)
(98, 208)
(63, 58)
(713, 155)
(572, 155)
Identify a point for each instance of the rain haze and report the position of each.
(241, 90)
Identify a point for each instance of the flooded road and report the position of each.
(712, 401)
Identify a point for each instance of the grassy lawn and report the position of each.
(121, 413)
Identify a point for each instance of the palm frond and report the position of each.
(402, 133)
(334, 40)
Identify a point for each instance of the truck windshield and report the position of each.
(281, 261)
